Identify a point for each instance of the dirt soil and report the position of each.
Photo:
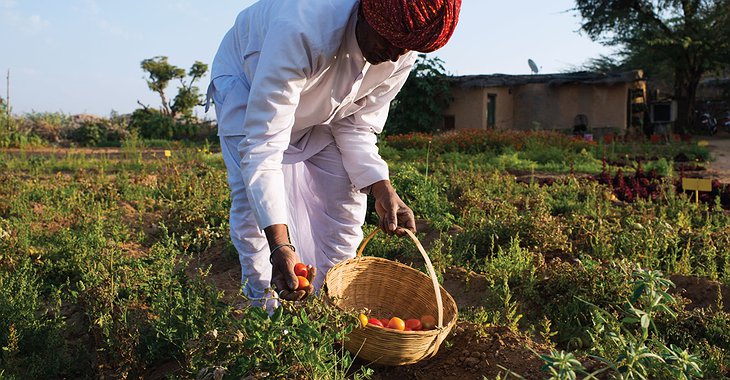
(472, 352)
(701, 292)
(719, 146)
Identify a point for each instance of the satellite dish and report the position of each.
(533, 66)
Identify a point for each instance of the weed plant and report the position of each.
(96, 277)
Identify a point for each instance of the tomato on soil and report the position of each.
(303, 283)
(396, 323)
(375, 322)
(300, 269)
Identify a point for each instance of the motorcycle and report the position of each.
(706, 122)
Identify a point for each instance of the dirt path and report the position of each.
(719, 146)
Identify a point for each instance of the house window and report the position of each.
(491, 110)
(449, 122)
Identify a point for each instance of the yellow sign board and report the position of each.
(696, 184)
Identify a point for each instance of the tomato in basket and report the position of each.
(396, 323)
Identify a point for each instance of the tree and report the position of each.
(161, 72)
(188, 96)
(688, 38)
(422, 100)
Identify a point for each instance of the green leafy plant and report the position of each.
(161, 72)
(421, 102)
(631, 354)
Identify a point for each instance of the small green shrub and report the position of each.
(423, 195)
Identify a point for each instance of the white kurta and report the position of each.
(294, 65)
(298, 111)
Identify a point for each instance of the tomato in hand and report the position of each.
(375, 322)
(300, 269)
(396, 323)
(428, 322)
(303, 283)
(414, 324)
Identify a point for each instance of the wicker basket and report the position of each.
(389, 288)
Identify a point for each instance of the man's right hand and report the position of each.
(282, 265)
(283, 278)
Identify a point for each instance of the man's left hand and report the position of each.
(394, 215)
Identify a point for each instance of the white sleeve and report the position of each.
(356, 135)
(280, 76)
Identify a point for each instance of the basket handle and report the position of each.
(431, 271)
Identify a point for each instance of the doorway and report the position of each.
(491, 111)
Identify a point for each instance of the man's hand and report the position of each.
(393, 213)
(283, 277)
(283, 260)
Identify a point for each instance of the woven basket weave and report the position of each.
(388, 289)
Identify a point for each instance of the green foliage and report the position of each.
(420, 104)
(99, 132)
(30, 332)
(149, 123)
(632, 353)
(13, 135)
(561, 365)
(161, 72)
(152, 124)
(103, 260)
(297, 341)
(90, 273)
(426, 196)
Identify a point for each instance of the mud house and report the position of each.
(600, 102)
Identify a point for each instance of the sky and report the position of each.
(83, 56)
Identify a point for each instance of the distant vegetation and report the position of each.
(38, 129)
(171, 121)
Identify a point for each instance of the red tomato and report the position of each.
(408, 329)
(396, 323)
(428, 322)
(375, 322)
(384, 321)
(303, 283)
(414, 324)
(301, 270)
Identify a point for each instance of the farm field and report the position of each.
(564, 256)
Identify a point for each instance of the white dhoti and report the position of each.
(325, 212)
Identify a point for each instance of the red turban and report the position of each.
(420, 25)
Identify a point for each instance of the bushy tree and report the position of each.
(161, 72)
(422, 100)
(685, 38)
(152, 124)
